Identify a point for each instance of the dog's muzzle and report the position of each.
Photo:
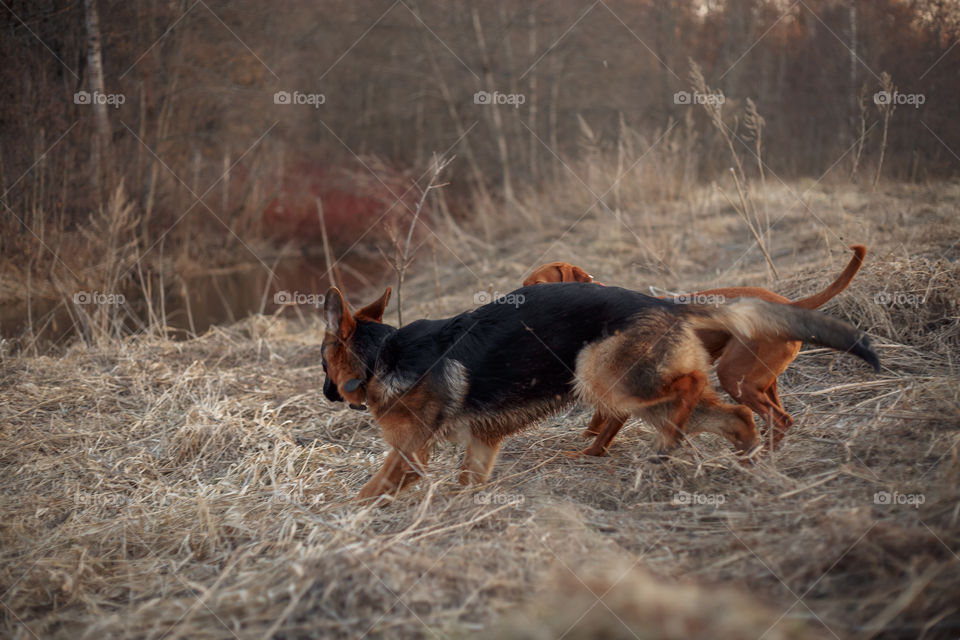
(330, 391)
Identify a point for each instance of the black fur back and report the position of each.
(520, 349)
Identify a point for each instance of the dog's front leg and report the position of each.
(478, 460)
(399, 471)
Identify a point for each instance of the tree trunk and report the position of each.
(494, 110)
(852, 89)
(462, 132)
(553, 118)
(532, 50)
(95, 66)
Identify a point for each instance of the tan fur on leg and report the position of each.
(478, 460)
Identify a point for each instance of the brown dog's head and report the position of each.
(350, 347)
(557, 272)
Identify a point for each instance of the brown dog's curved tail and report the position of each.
(838, 285)
(752, 318)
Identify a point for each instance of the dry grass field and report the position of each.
(198, 489)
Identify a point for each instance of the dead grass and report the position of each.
(197, 489)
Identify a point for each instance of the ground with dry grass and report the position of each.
(196, 489)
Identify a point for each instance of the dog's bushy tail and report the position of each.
(752, 318)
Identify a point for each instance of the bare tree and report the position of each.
(95, 66)
(886, 103)
(498, 127)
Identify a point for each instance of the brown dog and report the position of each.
(748, 371)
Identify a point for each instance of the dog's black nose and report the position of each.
(330, 391)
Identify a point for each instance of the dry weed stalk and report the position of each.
(333, 271)
(862, 137)
(111, 234)
(886, 108)
(754, 122)
(402, 257)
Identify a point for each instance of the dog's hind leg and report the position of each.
(733, 422)
(479, 458)
(766, 403)
(781, 420)
(655, 370)
(597, 424)
(671, 420)
(605, 434)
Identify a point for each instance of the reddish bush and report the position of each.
(353, 202)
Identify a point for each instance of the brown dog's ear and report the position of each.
(579, 275)
(337, 315)
(572, 273)
(374, 310)
(545, 273)
(533, 278)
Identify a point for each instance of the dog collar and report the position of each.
(352, 385)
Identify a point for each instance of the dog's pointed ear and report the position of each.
(374, 310)
(337, 314)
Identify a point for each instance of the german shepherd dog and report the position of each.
(748, 371)
(480, 376)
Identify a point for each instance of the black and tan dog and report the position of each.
(485, 374)
(748, 371)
